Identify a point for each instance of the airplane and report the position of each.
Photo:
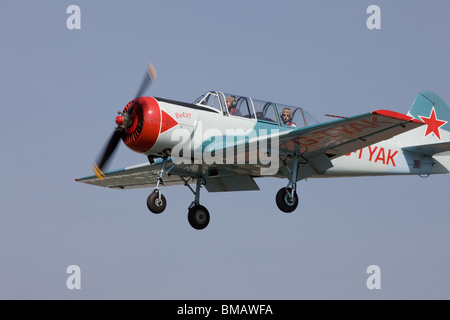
(224, 141)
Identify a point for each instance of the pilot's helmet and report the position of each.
(287, 111)
(232, 101)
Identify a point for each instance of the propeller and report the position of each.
(123, 120)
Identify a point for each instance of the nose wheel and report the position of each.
(156, 202)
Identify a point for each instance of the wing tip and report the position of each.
(396, 115)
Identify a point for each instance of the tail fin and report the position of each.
(431, 141)
(431, 109)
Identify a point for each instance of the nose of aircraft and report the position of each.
(144, 123)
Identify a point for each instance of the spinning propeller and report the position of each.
(124, 120)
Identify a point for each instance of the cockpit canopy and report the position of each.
(263, 111)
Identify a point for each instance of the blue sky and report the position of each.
(60, 93)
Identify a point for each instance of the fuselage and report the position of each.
(207, 131)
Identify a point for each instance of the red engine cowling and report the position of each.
(142, 131)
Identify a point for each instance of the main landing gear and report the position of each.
(286, 198)
(198, 215)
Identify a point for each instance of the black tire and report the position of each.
(284, 203)
(154, 204)
(198, 217)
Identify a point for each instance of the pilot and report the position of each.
(231, 105)
(286, 117)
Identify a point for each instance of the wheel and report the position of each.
(154, 204)
(284, 202)
(198, 217)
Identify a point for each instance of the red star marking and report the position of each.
(433, 124)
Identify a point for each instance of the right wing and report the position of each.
(138, 176)
(227, 178)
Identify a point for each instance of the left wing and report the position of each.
(317, 145)
(321, 143)
(340, 137)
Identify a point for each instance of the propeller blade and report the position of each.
(149, 77)
(109, 150)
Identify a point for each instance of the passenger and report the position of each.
(286, 117)
(231, 105)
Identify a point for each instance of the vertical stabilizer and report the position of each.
(432, 141)
(431, 109)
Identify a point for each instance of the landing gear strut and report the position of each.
(286, 198)
(156, 202)
(198, 215)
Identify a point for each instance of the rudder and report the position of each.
(431, 109)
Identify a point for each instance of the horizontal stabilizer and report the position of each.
(429, 149)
